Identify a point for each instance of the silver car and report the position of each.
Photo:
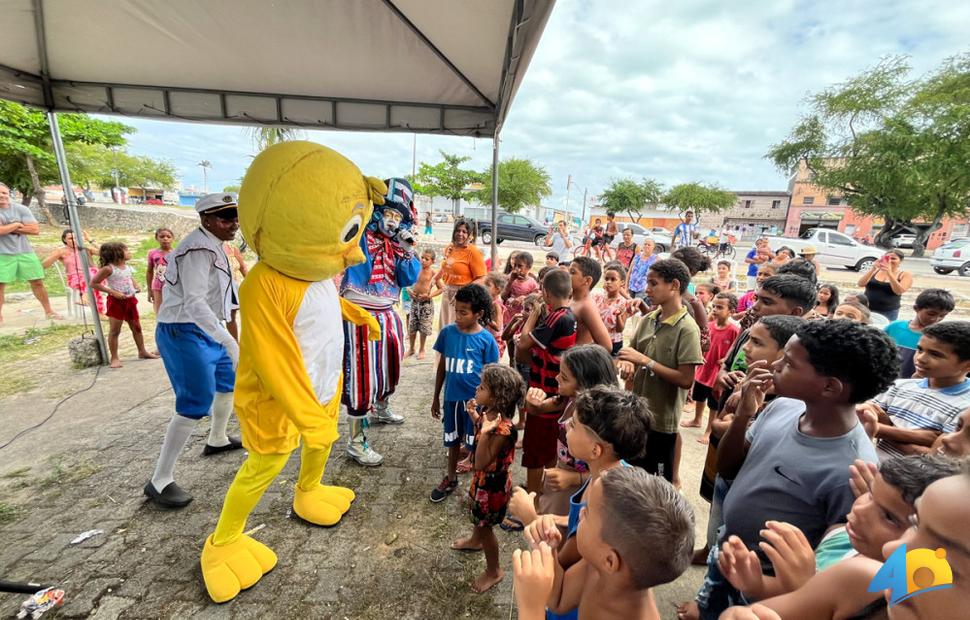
(640, 233)
(952, 256)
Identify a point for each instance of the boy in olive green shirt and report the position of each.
(661, 360)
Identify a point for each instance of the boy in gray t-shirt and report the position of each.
(792, 463)
(792, 476)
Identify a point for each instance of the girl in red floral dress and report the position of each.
(498, 395)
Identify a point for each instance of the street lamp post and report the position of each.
(205, 164)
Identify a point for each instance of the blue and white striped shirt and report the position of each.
(913, 404)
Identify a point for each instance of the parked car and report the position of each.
(903, 241)
(834, 248)
(954, 255)
(515, 227)
(439, 218)
(662, 240)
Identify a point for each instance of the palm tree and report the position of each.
(266, 136)
(205, 163)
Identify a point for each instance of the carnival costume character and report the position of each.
(303, 209)
(372, 369)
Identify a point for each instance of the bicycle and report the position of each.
(717, 250)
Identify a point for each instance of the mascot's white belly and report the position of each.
(319, 330)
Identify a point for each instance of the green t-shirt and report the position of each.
(671, 342)
(835, 547)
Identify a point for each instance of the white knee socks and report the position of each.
(179, 430)
(221, 410)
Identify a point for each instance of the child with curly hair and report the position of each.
(115, 280)
(498, 397)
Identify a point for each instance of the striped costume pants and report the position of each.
(372, 368)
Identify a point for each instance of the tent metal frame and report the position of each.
(495, 110)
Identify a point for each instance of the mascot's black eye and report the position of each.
(351, 228)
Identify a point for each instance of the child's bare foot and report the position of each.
(54, 316)
(688, 611)
(420, 355)
(115, 363)
(692, 423)
(704, 439)
(676, 483)
(148, 355)
(486, 580)
(409, 353)
(466, 544)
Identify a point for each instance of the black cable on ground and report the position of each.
(51, 414)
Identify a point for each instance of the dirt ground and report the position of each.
(85, 467)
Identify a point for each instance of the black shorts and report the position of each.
(704, 393)
(606, 239)
(658, 459)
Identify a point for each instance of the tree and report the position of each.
(145, 172)
(27, 154)
(698, 198)
(266, 136)
(521, 183)
(630, 197)
(896, 148)
(446, 179)
(232, 188)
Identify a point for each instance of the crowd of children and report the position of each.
(829, 440)
(801, 393)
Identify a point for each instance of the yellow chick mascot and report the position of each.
(302, 208)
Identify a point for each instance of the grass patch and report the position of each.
(8, 513)
(50, 238)
(64, 473)
(20, 472)
(36, 341)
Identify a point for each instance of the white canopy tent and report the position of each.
(430, 66)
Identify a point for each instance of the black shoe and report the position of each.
(234, 444)
(172, 496)
(444, 489)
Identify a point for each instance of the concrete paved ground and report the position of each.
(86, 466)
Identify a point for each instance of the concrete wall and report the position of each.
(135, 219)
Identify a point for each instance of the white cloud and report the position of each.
(677, 91)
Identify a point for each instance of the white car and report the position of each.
(834, 249)
(952, 256)
(640, 233)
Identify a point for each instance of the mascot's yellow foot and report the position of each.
(323, 505)
(228, 569)
(343, 492)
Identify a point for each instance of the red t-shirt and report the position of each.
(555, 334)
(722, 338)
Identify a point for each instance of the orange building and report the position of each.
(814, 207)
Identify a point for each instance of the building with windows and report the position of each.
(756, 213)
(815, 207)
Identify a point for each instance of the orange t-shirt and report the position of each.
(463, 265)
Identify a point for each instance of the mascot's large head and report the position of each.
(397, 212)
(303, 207)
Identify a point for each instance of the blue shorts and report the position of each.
(197, 366)
(458, 424)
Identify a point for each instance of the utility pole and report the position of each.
(583, 219)
(414, 156)
(569, 183)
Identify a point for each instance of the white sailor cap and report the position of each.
(212, 203)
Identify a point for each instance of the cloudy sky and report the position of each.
(677, 91)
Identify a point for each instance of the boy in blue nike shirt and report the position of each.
(465, 348)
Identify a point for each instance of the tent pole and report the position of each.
(495, 142)
(75, 222)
